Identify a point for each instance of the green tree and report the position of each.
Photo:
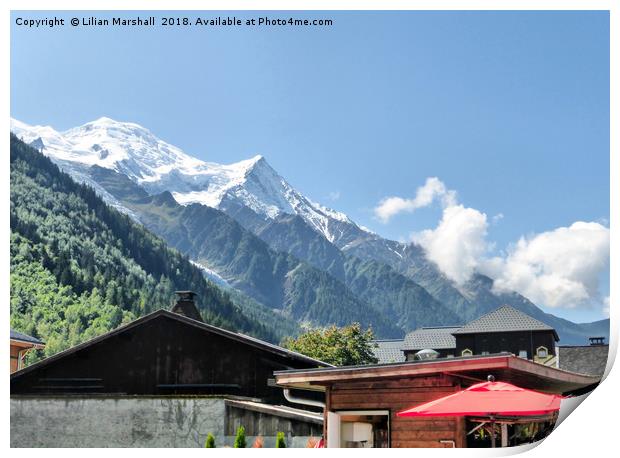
(210, 442)
(80, 268)
(345, 346)
(280, 440)
(240, 439)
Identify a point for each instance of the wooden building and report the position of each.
(505, 329)
(163, 353)
(173, 375)
(21, 344)
(362, 401)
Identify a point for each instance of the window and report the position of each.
(467, 352)
(484, 353)
(542, 352)
(450, 355)
(523, 354)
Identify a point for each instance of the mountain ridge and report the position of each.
(259, 199)
(80, 268)
(248, 263)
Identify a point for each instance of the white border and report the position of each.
(591, 429)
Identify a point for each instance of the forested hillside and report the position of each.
(278, 280)
(80, 268)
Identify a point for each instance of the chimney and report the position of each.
(597, 340)
(186, 306)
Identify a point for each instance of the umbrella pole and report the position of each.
(492, 432)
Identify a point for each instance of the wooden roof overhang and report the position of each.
(505, 367)
(26, 344)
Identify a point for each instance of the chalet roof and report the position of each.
(159, 314)
(588, 359)
(389, 351)
(504, 319)
(436, 338)
(504, 366)
(25, 338)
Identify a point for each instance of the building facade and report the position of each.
(362, 402)
(504, 330)
(162, 369)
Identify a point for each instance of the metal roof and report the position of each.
(389, 351)
(504, 319)
(439, 338)
(25, 338)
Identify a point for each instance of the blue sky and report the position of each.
(510, 110)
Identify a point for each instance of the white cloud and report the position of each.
(606, 306)
(558, 268)
(334, 195)
(425, 195)
(458, 243)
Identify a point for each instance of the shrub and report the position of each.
(240, 439)
(258, 442)
(210, 442)
(280, 440)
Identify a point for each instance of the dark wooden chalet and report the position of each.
(164, 353)
(362, 401)
(507, 330)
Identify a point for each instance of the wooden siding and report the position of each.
(512, 342)
(162, 356)
(15, 355)
(400, 394)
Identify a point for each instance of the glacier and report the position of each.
(158, 166)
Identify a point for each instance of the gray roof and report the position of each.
(504, 319)
(25, 338)
(389, 351)
(588, 360)
(438, 338)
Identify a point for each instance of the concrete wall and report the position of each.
(125, 421)
(115, 422)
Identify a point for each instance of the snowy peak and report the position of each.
(122, 146)
(136, 152)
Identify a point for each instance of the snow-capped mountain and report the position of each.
(157, 166)
(360, 268)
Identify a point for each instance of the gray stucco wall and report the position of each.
(115, 422)
(125, 421)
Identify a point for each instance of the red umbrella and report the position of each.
(488, 399)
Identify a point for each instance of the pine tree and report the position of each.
(240, 439)
(210, 442)
(280, 440)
